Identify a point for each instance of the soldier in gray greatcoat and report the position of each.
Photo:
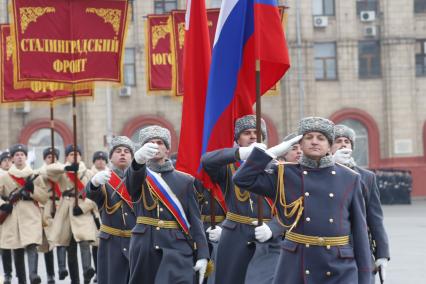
(237, 234)
(343, 145)
(320, 203)
(169, 233)
(107, 189)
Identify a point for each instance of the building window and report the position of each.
(325, 61)
(40, 140)
(132, 9)
(419, 6)
(421, 57)
(215, 3)
(369, 59)
(164, 6)
(129, 67)
(367, 5)
(323, 7)
(360, 150)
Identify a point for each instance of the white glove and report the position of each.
(283, 147)
(382, 263)
(214, 234)
(246, 151)
(201, 267)
(146, 152)
(101, 178)
(342, 156)
(262, 233)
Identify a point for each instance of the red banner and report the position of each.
(159, 53)
(39, 91)
(178, 18)
(69, 41)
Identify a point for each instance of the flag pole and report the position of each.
(52, 142)
(74, 126)
(259, 136)
(212, 210)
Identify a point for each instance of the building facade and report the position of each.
(357, 62)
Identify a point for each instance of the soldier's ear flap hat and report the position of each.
(49, 151)
(4, 155)
(18, 148)
(70, 148)
(248, 122)
(341, 130)
(155, 132)
(100, 155)
(121, 141)
(317, 124)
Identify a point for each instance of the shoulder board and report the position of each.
(290, 163)
(184, 173)
(346, 167)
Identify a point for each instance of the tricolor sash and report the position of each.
(234, 167)
(165, 194)
(80, 185)
(55, 187)
(119, 186)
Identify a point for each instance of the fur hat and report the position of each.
(341, 130)
(155, 132)
(290, 136)
(4, 155)
(248, 122)
(70, 148)
(18, 148)
(121, 141)
(47, 151)
(317, 124)
(100, 155)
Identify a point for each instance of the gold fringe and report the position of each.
(210, 269)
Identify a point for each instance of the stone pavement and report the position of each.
(406, 226)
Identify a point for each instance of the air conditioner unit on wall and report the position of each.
(367, 16)
(125, 91)
(320, 21)
(370, 31)
(22, 108)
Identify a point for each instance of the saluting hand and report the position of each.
(342, 156)
(146, 152)
(282, 148)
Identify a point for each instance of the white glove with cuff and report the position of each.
(201, 267)
(283, 147)
(101, 178)
(214, 234)
(262, 233)
(145, 153)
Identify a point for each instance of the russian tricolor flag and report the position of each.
(247, 30)
(216, 94)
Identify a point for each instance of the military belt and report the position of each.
(242, 219)
(317, 241)
(157, 223)
(208, 218)
(115, 232)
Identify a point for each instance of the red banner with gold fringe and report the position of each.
(84, 44)
(159, 54)
(39, 91)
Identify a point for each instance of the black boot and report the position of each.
(50, 268)
(95, 261)
(73, 262)
(61, 255)
(6, 257)
(32, 255)
(86, 261)
(19, 259)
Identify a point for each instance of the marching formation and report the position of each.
(140, 220)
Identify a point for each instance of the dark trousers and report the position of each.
(6, 257)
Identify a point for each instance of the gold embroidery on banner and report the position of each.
(111, 16)
(9, 47)
(160, 32)
(31, 14)
(181, 31)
